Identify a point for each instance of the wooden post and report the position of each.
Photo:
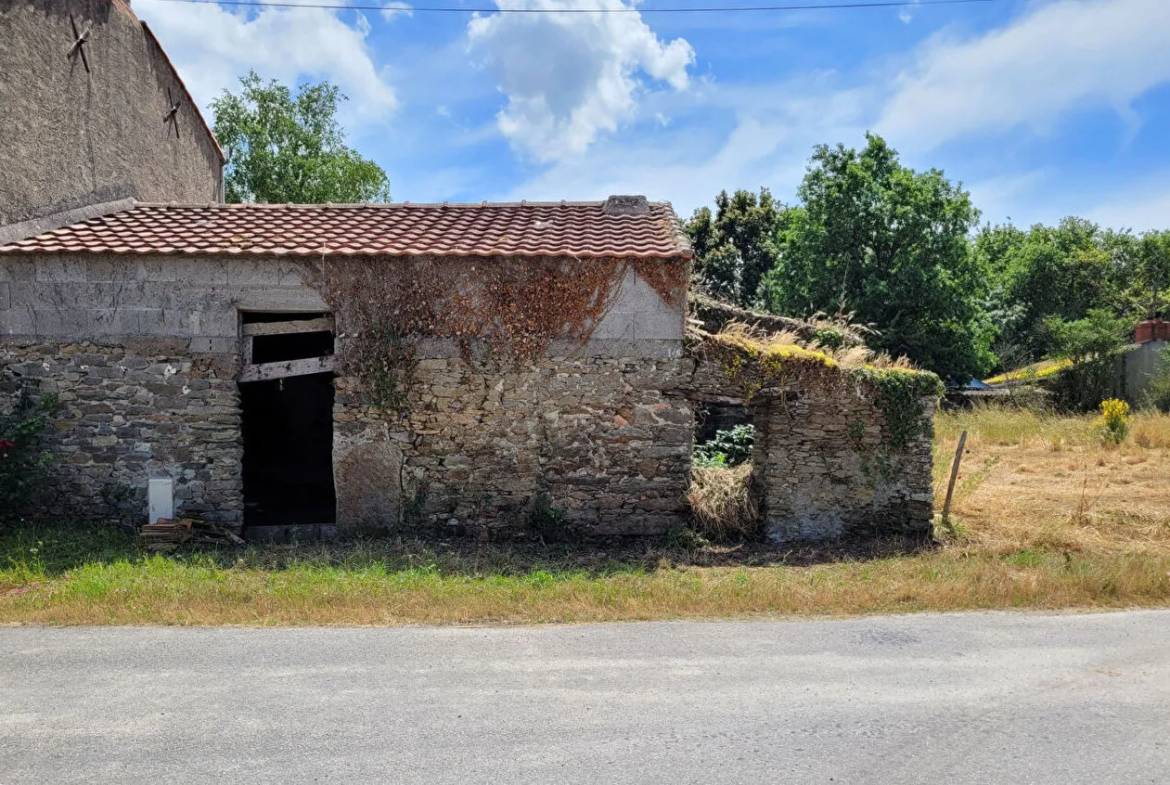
(946, 515)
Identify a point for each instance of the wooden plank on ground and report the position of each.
(282, 370)
(324, 324)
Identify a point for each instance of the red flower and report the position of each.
(5, 444)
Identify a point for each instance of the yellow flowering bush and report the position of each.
(1115, 420)
(1031, 373)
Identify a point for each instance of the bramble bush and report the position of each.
(23, 460)
(729, 448)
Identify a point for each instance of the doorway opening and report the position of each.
(726, 431)
(286, 399)
(721, 495)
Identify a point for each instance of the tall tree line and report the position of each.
(904, 252)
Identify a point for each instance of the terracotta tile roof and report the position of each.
(630, 228)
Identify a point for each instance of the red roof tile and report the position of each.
(581, 229)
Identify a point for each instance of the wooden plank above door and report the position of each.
(262, 372)
(324, 324)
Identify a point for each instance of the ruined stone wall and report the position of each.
(825, 469)
(126, 412)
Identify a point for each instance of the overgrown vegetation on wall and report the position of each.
(753, 363)
(502, 309)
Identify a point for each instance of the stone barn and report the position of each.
(474, 368)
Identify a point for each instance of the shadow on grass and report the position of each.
(53, 551)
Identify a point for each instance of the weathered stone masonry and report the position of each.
(824, 471)
(143, 353)
(594, 434)
(823, 466)
(141, 408)
(152, 393)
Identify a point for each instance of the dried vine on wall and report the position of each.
(511, 308)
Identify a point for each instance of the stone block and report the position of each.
(17, 269)
(102, 322)
(113, 269)
(288, 299)
(367, 478)
(60, 270)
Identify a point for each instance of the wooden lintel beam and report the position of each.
(282, 370)
(324, 324)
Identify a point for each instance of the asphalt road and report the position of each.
(987, 698)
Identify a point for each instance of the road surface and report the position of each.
(970, 698)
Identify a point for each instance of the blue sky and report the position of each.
(1042, 108)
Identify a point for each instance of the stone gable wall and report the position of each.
(73, 138)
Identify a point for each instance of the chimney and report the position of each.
(626, 205)
(1151, 330)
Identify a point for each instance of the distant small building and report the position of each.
(1139, 363)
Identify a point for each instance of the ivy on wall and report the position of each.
(510, 309)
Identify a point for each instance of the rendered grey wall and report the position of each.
(70, 138)
(1138, 366)
(108, 296)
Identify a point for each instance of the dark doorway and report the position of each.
(287, 426)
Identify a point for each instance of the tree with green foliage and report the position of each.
(1060, 272)
(1091, 344)
(283, 148)
(736, 247)
(1146, 282)
(890, 245)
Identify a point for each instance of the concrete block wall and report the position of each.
(83, 297)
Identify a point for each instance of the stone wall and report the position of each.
(75, 138)
(825, 470)
(143, 355)
(591, 443)
(823, 465)
(127, 412)
(587, 432)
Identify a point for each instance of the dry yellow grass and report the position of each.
(722, 506)
(1049, 517)
(1040, 482)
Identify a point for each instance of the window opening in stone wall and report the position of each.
(286, 399)
(723, 507)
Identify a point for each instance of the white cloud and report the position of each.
(1143, 208)
(1021, 76)
(395, 8)
(1060, 57)
(571, 77)
(212, 47)
(772, 134)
